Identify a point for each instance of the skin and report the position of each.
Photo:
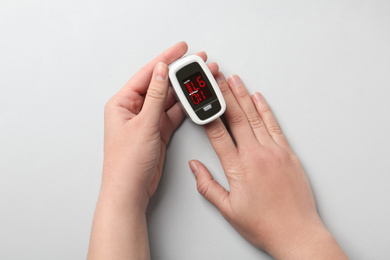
(270, 202)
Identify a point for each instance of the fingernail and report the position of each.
(219, 78)
(235, 81)
(160, 71)
(257, 97)
(194, 167)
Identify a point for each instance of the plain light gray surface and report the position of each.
(322, 65)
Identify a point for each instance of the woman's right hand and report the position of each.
(270, 202)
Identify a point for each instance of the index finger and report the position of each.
(222, 143)
(140, 81)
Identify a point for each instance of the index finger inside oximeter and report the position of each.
(196, 89)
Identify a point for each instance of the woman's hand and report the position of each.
(270, 202)
(139, 121)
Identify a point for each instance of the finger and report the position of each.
(235, 117)
(156, 95)
(214, 68)
(171, 121)
(246, 104)
(140, 81)
(175, 115)
(171, 99)
(269, 120)
(222, 143)
(203, 55)
(209, 188)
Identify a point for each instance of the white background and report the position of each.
(323, 65)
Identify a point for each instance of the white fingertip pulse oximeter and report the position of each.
(196, 89)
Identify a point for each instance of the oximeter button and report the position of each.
(208, 107)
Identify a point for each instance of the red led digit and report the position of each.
(201, 92)
(190, 87)
(195, 98)
(201, 81)
(197, 89)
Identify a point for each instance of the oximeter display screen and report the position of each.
(197, 88)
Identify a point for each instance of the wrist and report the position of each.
(123, 194)
(314, 242)
(119, 227)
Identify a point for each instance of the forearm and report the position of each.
(119, 229)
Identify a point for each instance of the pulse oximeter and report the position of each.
(196, 89)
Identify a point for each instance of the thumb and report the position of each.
(156, 95)
(209, 188)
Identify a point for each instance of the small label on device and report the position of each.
(209, 106)
(208, 110)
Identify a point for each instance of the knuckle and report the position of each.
(203, 188)
(224, 87)
(274, 129)
(237, 118)
(218, 133)
(156, 92)
(240, 92)
(255, 121)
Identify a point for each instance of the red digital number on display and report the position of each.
(196, 93)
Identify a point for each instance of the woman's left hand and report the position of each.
(139, 121)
